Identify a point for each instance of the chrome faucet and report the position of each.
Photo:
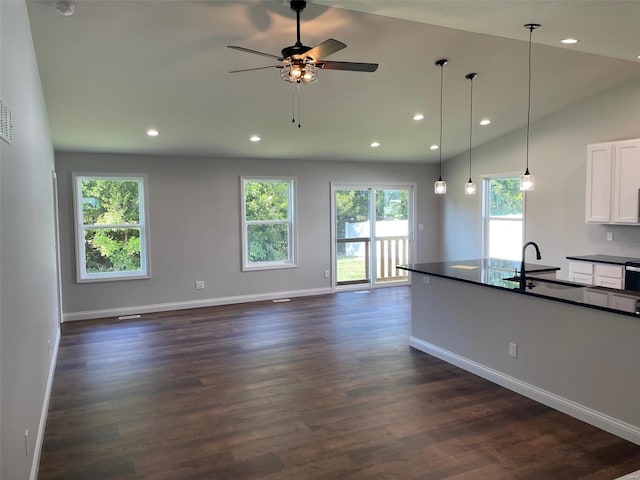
(523, 280)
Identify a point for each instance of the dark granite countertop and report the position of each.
(496, 273)
(611, 259)
(488, 271)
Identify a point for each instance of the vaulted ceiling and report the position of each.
(116, 68)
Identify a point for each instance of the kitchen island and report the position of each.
(547, 342)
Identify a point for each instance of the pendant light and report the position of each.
(470, 187)
(440, 187)
(527, 182)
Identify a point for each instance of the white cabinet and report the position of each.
(605, 275)
(613, 182)
(626, 181)
(598, 274)
(626, 303)
(599, 179)
(581, 272)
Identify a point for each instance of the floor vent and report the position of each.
(6, 123)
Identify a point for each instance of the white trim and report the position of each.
(631, 476)
(208, 302)
(291, 222)
(579, 411)
(82, 276)
(484, 214)
(56, 220)
(411, 188)
(37, 450)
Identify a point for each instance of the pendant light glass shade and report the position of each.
(440, 187)
(527, 181)
(470, 187)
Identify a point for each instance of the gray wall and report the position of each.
(28, 311)
(194, 210)
(569, 356)
(555, 209)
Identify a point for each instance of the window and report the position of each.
(503, 219)
(111, 227)
(268, 228)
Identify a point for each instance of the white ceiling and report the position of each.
(116, 68)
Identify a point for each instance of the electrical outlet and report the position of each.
(513, 350)
(199, 284)
(326, 274)
(426, 279)
(49, 345)
(26, 442)
(610, 236)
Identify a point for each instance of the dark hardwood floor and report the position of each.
(317, 388)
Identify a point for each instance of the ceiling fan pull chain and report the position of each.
(293, 106)
(299, 104)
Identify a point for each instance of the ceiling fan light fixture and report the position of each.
(299, 73)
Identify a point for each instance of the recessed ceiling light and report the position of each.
(375, 144)
(255, 138)
(418, 116)
(433, 147)
(152, 132)
(569, 41)
(485, 121)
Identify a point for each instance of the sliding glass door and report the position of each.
(371, 234)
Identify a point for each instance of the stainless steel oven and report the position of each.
(632, 276)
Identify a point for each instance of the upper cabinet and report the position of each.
(613, 182)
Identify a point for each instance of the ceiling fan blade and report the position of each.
(257, 68)
(326, 48)
(351, 66)
(255, 52)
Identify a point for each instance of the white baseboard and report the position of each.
(37, 449)
(586, 414)
(631, 476)
(208, 302)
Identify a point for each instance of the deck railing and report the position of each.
(390, 251)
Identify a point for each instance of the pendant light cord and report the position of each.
(442, 64)
(531, 28)
(470, 122)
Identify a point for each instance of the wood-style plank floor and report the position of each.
(319, 388)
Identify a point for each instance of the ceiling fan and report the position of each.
(300, 63)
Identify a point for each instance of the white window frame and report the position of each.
(486, 208)
(411, 187)
(82, 275)
(291, 260)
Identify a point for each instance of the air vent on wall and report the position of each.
(6, 123)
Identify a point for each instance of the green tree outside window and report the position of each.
(111, 226)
